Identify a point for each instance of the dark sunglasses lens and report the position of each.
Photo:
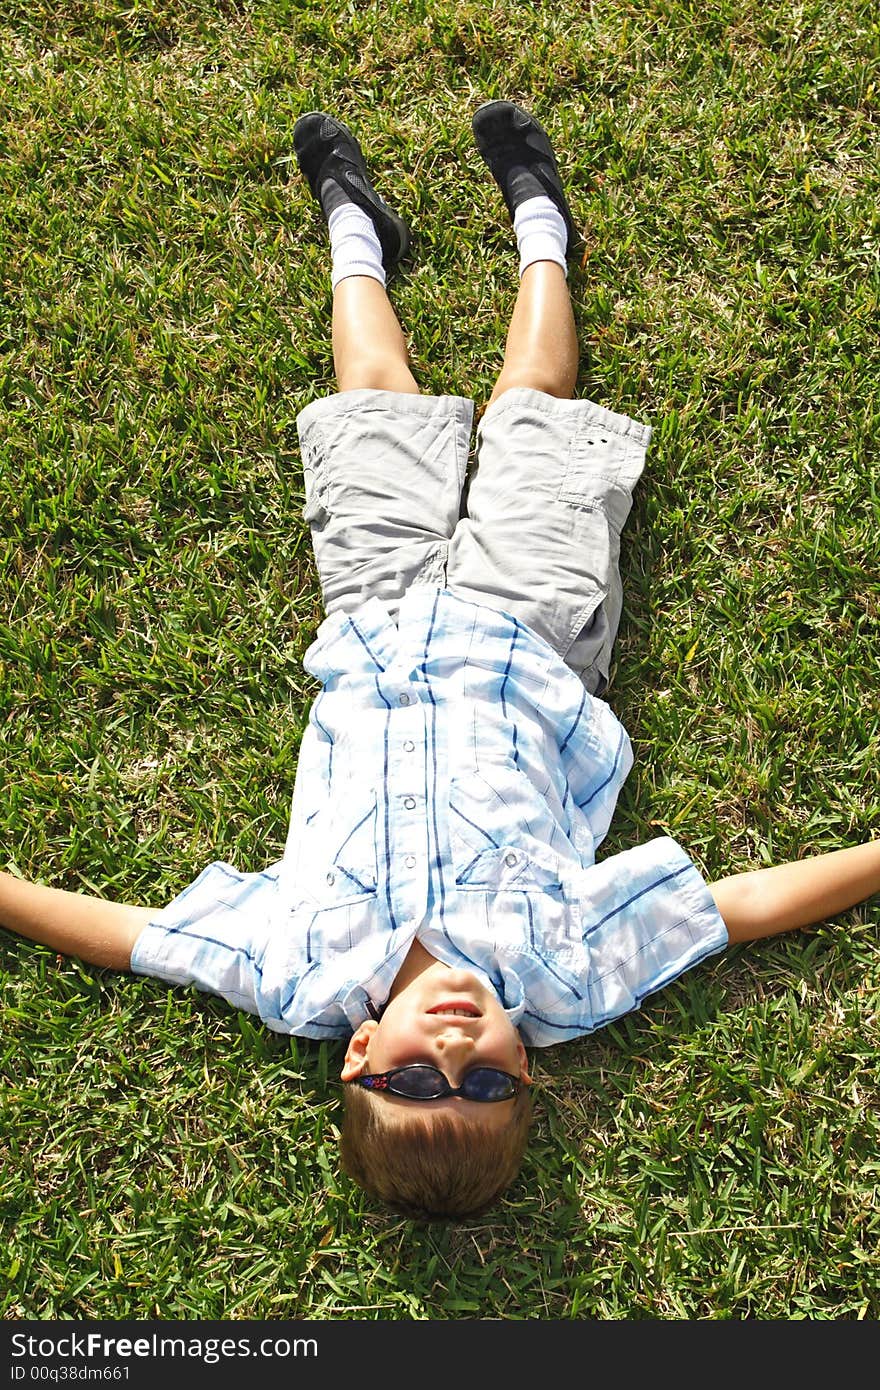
(485, 1083)
(419, 1083)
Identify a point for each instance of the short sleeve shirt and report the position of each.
(454, 785)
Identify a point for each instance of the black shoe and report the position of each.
(520, 158)
(333, 163)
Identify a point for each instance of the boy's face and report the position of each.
(449, 1019)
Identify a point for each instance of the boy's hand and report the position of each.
(95, 930)
(769, 901)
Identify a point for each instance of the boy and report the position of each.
(439, 901)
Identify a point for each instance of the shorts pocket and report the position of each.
(316, 481)
(602, 468)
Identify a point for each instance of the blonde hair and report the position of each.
(426, 1166)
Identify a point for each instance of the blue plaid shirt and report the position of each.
(454, 783)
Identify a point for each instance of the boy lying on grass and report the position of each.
(439, 902)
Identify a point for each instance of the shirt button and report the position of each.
(409, 802)
(331, 878)
(405, 699)
(410, 861)
(409, 746)
(510, 860)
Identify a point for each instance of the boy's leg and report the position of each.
(383, 465)
(367, 240)
(542, 349)
(369, 349)
(553, 478)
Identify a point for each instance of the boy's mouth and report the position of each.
(457, 1008)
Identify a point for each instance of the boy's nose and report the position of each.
(454, 1044)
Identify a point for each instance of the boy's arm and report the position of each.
(766, 902)
(75, 924)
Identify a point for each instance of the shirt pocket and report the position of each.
(498, 836)
(339, 861)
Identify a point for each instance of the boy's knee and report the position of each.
(533, 379)
(376, 373)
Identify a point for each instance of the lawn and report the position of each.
(165, 314)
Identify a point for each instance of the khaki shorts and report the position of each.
(533, 528)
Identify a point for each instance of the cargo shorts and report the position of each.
(531, 525)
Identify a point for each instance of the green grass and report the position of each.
(165, 314)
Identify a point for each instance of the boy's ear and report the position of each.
(524, 1076)
(356, 1053)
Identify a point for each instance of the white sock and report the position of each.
(541, 234)
(354, 245)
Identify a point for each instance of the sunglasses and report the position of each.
(418, 1081)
